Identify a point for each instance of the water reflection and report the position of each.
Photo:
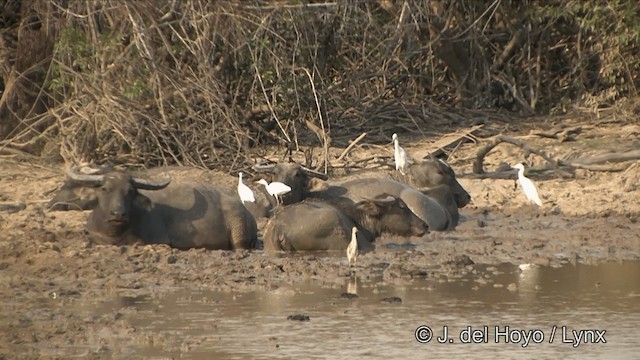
(254, 325)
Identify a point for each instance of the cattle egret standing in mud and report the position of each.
(244, 191)
(528, 186)
(275, 189)
(399, 155)
(352, 249)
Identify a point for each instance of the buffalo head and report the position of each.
(294, 175)
(434, 172)
(117, 195)
(387, 213)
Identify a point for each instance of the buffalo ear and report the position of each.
(315, 184)
(375, 206)
(368, 206)
(437, 161)
(142, 202)
(445, 167)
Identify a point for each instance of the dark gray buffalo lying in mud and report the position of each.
(435, 206)
(436, 198)
(131, 210)
(314, 224)
(436, 202)
(431, 173)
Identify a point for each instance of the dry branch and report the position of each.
(478, 167)
(351, 145)
(449, 141)
(606, 158)
(560, 134)
(562, 167)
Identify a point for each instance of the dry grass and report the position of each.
(203, 83)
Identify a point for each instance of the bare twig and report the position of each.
(351, 145)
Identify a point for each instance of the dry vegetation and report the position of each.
(220, 84)
(204, 83)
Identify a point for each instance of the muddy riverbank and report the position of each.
(46, 258)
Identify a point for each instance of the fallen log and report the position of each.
(563, 168)
(606, 158)
(478, 164)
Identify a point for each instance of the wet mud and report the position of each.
(46, 260)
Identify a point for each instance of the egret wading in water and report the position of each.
(275, 189)
(399, 156)
(528, 186)
(352, 249)
(244, 191)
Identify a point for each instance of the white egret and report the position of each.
(528, 186)
(244, 191)
(275, 189)
(352, 249)
(399, 156)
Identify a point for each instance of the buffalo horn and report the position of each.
(315, 173)
(85, 179)
(145, 184)
(91, 169)
(263, 167)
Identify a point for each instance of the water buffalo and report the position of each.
(435, 199)
(431, 173)
(314, 224)
(76, 196)
(431, 202)
(131, 210)
(435, 206)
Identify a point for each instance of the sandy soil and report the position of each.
(46, 259)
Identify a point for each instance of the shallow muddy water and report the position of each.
(192, 324)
